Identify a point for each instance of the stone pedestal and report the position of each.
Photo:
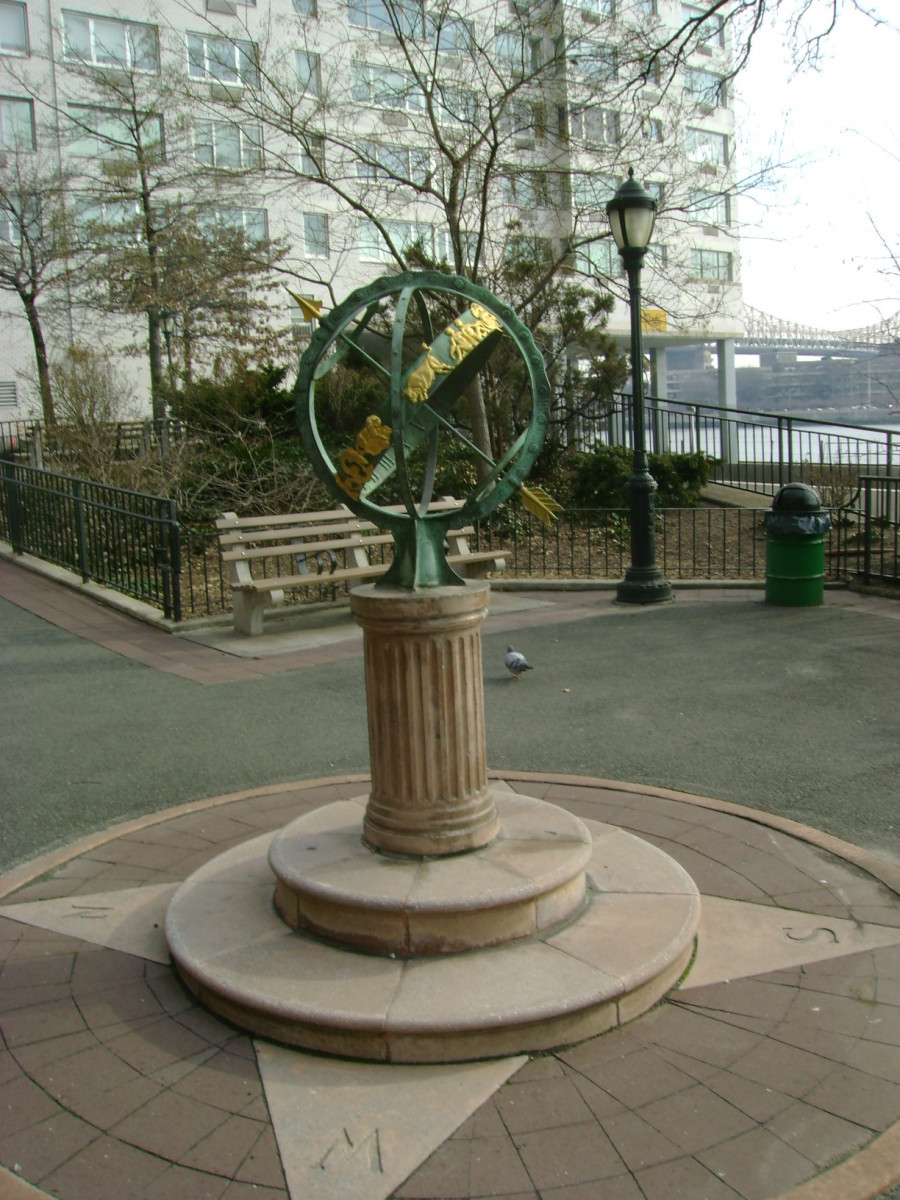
(437, 919)
(424, 692)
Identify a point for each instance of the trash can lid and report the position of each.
(796, 498)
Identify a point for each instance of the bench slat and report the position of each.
(331, 514)
(295, 532)
(243, 540)
(242, 553)
(337, 576)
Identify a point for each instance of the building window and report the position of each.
(105, 42)
(599, 9)
(710, 28)
(21, 215)
(309, 75)
(590, 190)
(456, 108)
(705, 87)
(443, 246)
(402, 234)
(657, 257)
(652, 129)
(300, 322)
(597, 64)
(525, 121)
(599, 258)
(518, 51)
(527, 250)
(709, 208)
(401, 17)
(13, 28)
(403, 163)
(595, 126)
(385, 88)
(647, 8)
(8, 398)
(10, 228)
(222, 60)
(528, 189)
(109, 220)
(104, 133)
(305, 8)
(315, 235)
(16, 124)
(655, 189)
(702, 146)
(452, 35)
(715, 265)
(312, 156)
(251, 222)
(224, 144)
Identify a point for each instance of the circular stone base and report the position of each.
(528, 880)
(629, 945)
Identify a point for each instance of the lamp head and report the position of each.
(632, 214)
(167, 320)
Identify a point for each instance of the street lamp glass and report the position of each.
(632, 214)
(168, 322)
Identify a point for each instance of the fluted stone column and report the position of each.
(425, 701)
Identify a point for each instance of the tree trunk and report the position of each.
(481, 430)
(156, 365)
(43, 364)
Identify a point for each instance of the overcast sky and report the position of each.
(809, 247)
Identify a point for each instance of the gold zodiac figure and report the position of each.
(465, 336)
(422, 377)
(358, 460)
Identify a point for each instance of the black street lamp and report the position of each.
(632, 213)
(167, 320)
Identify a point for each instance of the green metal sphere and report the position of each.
(391, 324)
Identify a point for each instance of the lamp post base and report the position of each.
(643, 585)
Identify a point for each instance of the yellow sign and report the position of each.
(653, 320)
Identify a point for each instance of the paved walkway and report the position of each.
(130, 756)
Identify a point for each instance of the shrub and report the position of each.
(599, 479)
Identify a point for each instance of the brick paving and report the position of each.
(786, 1083)
(114, 1082)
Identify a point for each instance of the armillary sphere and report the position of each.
(426, 337)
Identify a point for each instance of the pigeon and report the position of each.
(516, 663)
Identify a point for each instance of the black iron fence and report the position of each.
(761, 452)
(132, 542)
(706, 543)
(126, 540)
(880, 516)
(26, 441)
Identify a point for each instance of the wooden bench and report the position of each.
(266, 556)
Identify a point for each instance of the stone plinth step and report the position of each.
(630, 944)
(528, 880)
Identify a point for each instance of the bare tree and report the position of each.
(164, 221)
(36, 245)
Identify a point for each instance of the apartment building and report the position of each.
(354, 132)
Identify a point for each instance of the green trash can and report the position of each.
(796, 527)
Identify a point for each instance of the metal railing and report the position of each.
(760, 452)
(132, 543)
(705, 543)
(26, 441)
(880, 514)
(126, 540)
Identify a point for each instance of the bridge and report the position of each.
(767, 333)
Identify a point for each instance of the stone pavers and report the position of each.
(113, 1082)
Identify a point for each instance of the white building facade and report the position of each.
(350, 131)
